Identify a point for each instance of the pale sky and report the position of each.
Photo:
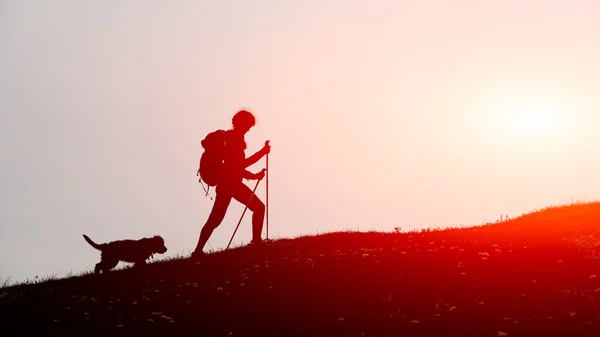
(380, 114)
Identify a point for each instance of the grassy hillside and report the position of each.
(536, 275)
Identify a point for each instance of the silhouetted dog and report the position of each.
(136, 251)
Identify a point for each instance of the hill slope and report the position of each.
(528, 276)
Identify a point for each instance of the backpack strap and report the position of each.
(204, 188)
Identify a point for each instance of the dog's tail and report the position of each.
(92, 243)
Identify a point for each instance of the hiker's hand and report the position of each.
(260, 174)
(266, 149)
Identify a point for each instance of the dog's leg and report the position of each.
(139, 264)
(98, 267)
(108, 264)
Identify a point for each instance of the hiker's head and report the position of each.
(243, 120)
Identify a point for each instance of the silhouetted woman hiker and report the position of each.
(231, 184)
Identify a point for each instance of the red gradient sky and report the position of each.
(380, 114)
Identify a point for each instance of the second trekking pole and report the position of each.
(244, 212)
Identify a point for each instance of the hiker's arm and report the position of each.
(254, 176)
(255, 157)
(249, 175)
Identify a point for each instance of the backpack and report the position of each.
(211, 160)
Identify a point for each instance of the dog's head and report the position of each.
(157, 244)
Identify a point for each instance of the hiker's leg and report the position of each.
(242, 193)
(215, 218)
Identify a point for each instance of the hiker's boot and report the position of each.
(261, 242)
(256, 242)
(197, 255)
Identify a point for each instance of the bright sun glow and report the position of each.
(531, 123)
(532, 117)
(524, 119)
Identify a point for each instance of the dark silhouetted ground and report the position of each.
(536, 275)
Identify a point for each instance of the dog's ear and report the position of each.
(158, 240)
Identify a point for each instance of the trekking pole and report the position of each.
(238, 225)
(267, 208)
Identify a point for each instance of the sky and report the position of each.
(380, 114)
